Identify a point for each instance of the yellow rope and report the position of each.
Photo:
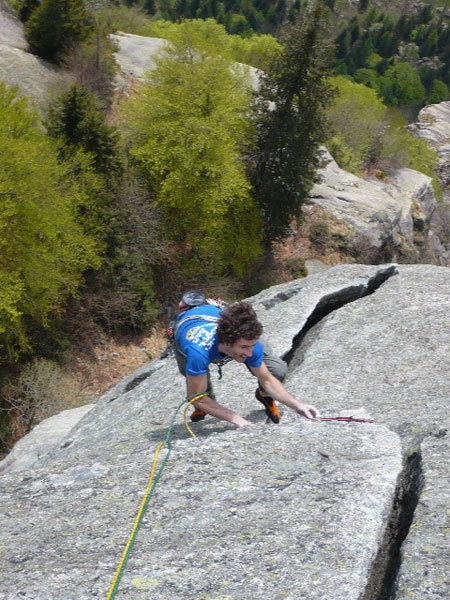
(136, 524)
(185, 411)
(148, 490)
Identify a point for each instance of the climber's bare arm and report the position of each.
(276, 390)
(196, 384)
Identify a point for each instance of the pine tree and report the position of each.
(77, 119)
(56, 25)
(291, 124)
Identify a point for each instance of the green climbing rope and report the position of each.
(153, 480)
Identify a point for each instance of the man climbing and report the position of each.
(206, 333)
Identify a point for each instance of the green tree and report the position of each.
(357, 119)
(188, 125)
(438, 93)
(291, 124)
(368, 77)
(401, 85)
(255, 50)
(56, 25)
(369, 135)
(91, 150)
(122, 293)
(76, 118)
(44, 251)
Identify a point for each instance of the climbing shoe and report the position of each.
(198, 415)
(270, 406)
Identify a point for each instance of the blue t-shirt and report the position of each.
(197, 339)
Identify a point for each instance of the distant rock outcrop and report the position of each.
(302, 510)
(433, 125)
(392, 219)
(34, 78)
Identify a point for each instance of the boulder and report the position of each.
(304, 509)
(136, 54)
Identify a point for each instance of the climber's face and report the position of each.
(240, 350)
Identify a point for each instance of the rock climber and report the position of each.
(208, 332)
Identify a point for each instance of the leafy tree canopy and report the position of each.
(43, 250)
(401, 84)
(439, 92)
(189, 125)
(369, 135)
(357, 117)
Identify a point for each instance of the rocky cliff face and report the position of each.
(302, 510)
(391, 220)
(433, 125)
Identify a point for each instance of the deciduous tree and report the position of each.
(189, 125)
(43, 250)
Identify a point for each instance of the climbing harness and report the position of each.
(153, 480)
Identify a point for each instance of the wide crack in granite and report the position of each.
(336, 300)
(383, 579)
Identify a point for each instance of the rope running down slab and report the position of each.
(153, 480)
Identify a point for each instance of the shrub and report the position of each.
(41, 390)
(319, 235)
(296, 267)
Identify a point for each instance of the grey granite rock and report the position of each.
(43, 438)
(391, 219)
(11, 28)
(433, 125)
(34, 78)
(427, 548)
(136, 54)
(303, 510)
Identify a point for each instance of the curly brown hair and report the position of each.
(238, 321)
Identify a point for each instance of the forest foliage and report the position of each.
(199, 174)
(189, 129)
(44, 250)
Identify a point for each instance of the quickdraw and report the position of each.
(343, 419)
